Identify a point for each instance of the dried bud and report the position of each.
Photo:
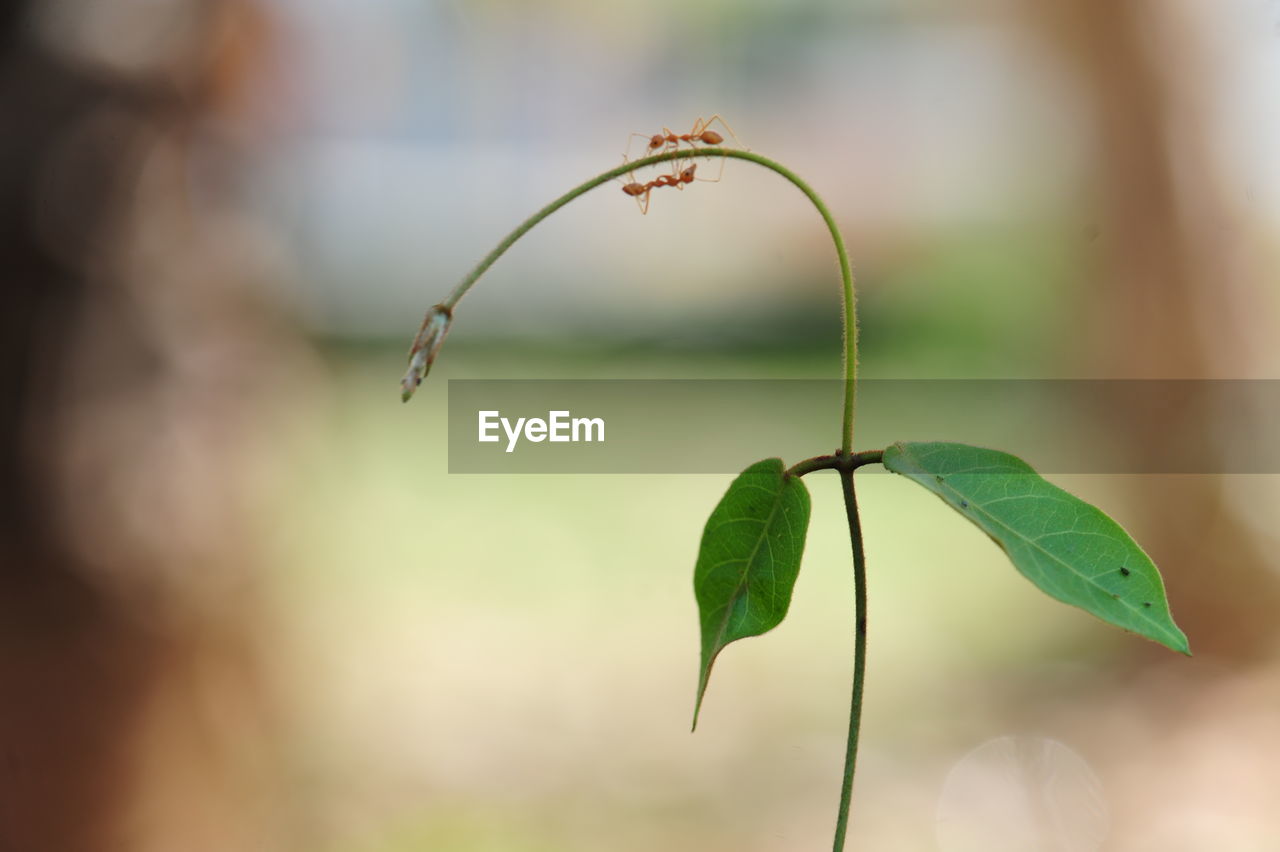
(425, 346)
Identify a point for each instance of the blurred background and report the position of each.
(243, 606)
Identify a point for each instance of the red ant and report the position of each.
(640, 191)
(701, 132)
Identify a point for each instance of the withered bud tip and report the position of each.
(425, 346)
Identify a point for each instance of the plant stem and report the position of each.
(845, 461)
(859, 653)
(846, 271)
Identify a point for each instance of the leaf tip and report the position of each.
(704, 675)
(1173, 639)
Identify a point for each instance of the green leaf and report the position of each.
(749, 559)
(1067, 547)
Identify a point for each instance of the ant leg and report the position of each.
(628, 178)
(635, 189)
(678, 170)
(701, 126)
(673, 144)
(679, 164)
(690, 162)
(719, 174)
(648, 144)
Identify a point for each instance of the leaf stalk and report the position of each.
(837, 461)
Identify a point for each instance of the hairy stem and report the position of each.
(859, 653)
(420, 364)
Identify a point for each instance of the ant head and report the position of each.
(711, 137)
(686, 175)
(656, 141)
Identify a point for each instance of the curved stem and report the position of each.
(859, 653)
(419, 365)
(436, 324)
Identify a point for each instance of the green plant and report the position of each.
(752, 544)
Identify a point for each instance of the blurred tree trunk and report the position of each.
(73, 667)
(1169, 300)
(121, 689)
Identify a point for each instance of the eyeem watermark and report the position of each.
(664, 426)
(559, 427)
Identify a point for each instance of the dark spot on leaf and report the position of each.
(964, 504)
(1146, 603)
(1115, 597)
(1124, 570)
(937, 477)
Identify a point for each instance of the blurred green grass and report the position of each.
(494, 662)
(508, 662)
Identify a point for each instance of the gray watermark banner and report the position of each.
(721, 426)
